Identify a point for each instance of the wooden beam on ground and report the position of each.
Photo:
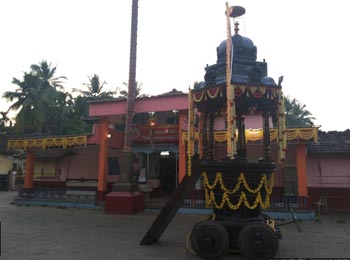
(172, 206)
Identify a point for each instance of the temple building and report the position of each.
(89, 164)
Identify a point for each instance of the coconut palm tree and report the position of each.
(36, 97)
(80, 109)
(94, 91)
(296, 113)
(46, 74)
(5, 120)
(124, 93)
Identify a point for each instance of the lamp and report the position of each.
(152, 122)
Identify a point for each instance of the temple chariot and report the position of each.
(237, 185)
(237, 188)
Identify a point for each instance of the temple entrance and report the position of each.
(168, 176)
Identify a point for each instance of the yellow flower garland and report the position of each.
(210, 196)
(190, 140)
(199, 99)
(216, 94)
(281, 128)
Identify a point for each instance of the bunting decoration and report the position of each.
(50, 142)
(254, 135)
(258, 92)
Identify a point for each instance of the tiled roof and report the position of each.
(331, 142)
(173, 92)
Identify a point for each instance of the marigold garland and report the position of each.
(198, 97)
(216, 92)
(210, 196)
(190, 138)
(281, 128)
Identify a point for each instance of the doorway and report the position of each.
(290, 181)
(168, 174)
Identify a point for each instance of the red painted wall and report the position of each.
(116, 140)
(151, 104)
(335, 171)
(254, 121)
(82, 164)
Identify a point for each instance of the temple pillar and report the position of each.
(301, 169)
(211, 137)
(182, 145)
(266, 136)
(102, 162)
(241, 143)
(28, 178)
(203, 121)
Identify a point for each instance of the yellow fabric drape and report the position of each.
(44, 143)
(249, 91)
(253, 135)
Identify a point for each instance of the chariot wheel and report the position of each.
(210, 239)
(258, 241)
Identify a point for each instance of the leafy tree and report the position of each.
(296, 114)
(59, 120)
(4, 120)
(75, 123)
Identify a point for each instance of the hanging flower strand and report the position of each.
(190, 137)
(230, 95)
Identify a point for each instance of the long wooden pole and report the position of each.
(230, 95)
(132, 77)
(128, 180)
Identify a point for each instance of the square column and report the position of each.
(28, 178)
(301, 169)
(102, 162)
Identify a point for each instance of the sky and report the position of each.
(305, 41)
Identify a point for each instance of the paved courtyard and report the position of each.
(48, 233)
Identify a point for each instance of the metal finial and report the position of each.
(236, 27)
